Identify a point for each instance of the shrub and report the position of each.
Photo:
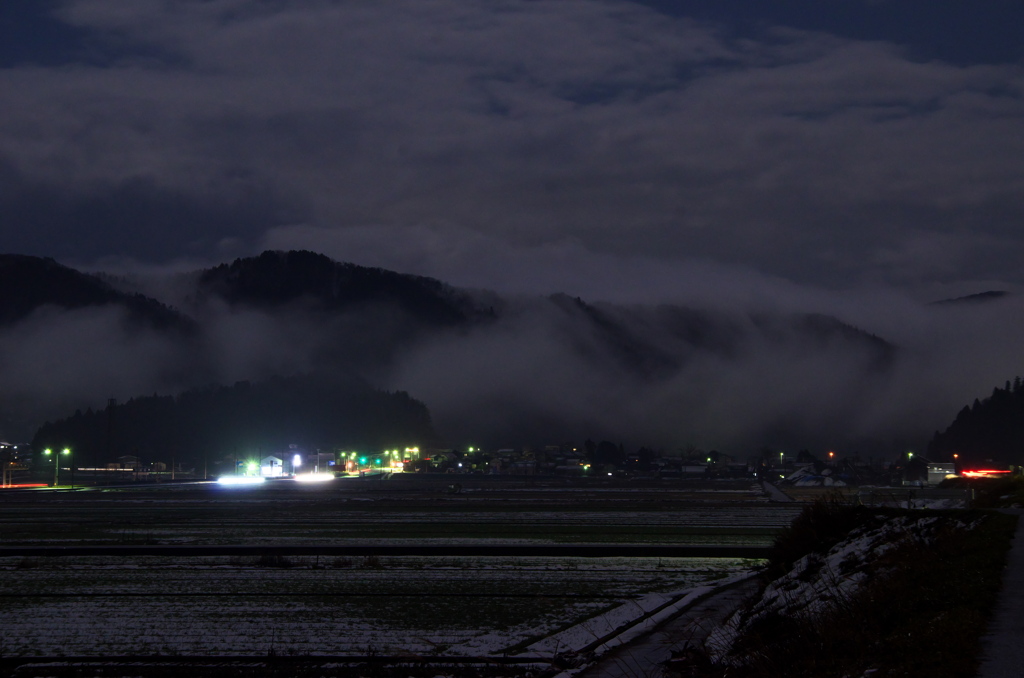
(921, 611)
(819, 527)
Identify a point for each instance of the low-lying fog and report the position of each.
(544, 372)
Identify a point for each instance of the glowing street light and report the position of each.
(56, 465)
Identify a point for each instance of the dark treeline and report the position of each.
(990, 429)
(275, 278)
(29, 283)
(203, 425)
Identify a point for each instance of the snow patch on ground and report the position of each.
(617, 626)
(817, 582)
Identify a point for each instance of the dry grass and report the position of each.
(922, 612)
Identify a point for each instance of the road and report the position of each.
(644, 656)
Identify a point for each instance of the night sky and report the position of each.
(756, 160)
(615, 149)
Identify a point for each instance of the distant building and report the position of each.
(128, 461)
(271, 467)
(939, 471)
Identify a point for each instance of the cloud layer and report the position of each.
(203, 129)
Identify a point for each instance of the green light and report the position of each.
(376, 461)
(362, 460)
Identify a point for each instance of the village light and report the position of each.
(314, 477)
(240, 480)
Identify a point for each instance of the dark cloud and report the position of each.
(825, 156)
(136, 218)
(954, 32)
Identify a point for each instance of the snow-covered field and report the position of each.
(432, 606)
(426, 606)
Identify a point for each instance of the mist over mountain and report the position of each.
(32, 284)
(491, 369)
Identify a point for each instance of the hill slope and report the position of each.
(274, 279)
(32, 283)
(990, 431)
(244, 419)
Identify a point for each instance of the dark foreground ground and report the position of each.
(407, 576)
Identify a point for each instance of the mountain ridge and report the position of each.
(511, 369)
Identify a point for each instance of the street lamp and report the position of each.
(56, 465)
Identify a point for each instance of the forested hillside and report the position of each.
(275, 278)
(245, 418)
(989, 429)
(31, 283)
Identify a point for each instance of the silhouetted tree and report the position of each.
(992, 429)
